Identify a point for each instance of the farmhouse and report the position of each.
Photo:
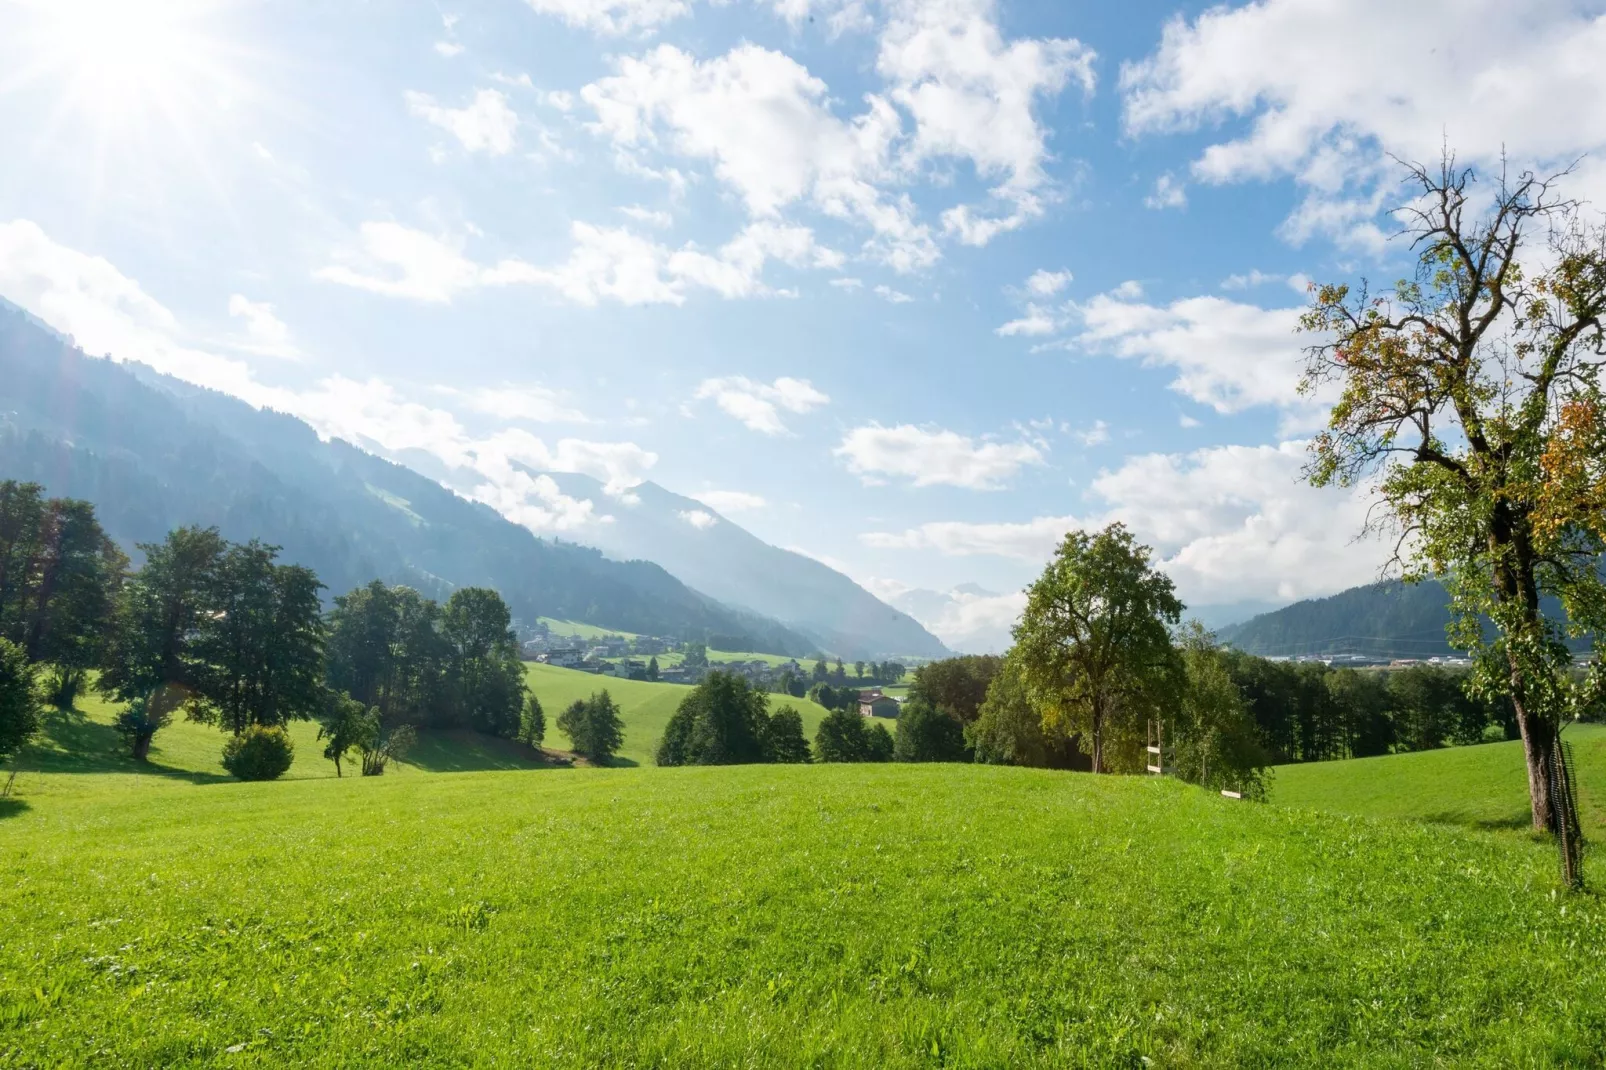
(873, 703)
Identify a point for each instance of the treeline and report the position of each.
(228, 635)
(826, 675)
(725, 720)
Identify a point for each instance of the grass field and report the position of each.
(644, 707)
(806, 916)
(1478, 787)
(584, 631)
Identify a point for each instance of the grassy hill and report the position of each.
(816, 915)
(644, 707)
(1480, 787)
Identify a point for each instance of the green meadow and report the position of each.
(645, 707)
(473, 908)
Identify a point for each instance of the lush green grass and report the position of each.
(644, 707)
(584, 631)
(1482, 787)
(82, 742)
(810, 916)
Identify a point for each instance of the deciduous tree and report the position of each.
(1470, 398)
(1094, 642)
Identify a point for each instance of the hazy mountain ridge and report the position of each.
(152, 453)
(711, 554)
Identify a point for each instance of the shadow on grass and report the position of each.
(70, 742)
(470, 752)
(11, 808)
(1515, 822)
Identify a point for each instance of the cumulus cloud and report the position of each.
(604, 264)
(1045, 283)
(731, 501)
(265, 333)
(770, 132)
(1229, 524)
(486, 124)
(1168, 193)
(698, 519)
(891, 296)
(1323, 95)
(759, 405)
(1228, 355)
(932, 456)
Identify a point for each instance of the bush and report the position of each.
(382, 748)
(926, 734)
(19, 699)
(261, 752)
(139, 724)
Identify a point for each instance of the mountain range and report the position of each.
(153, 453)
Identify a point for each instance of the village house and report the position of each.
(872, 703)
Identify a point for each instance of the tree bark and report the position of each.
(142, 747)
(1098, 741)
(1538, 742)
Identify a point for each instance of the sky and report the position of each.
(910, 286)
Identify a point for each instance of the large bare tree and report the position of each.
(1471, 394)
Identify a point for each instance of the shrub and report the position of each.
(139, 724)
(261, 752)
(380, 749)
(926, 734)
(19, 699)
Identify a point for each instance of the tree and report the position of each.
(1471, 394)
(858, 670)
(652, 668)
(879, 744)
(841, 737)
(926, 734)
(784, 741)
(593, 727)
(957, 686)
(19, 700)
(1094, 641)
(721, 721)
(486, 674)
(532, 722)
(380, 748)
(151, 656)
(820, 672)
(695, 656)
(59, 577)
(1009, 730)
(347, 725)
(259, 651)
(1210, 739)
(139, 723)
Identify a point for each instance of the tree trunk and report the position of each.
(1538, 741)
(1098, 741)
(142, 747)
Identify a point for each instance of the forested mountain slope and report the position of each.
(729, 563)
(153, 453)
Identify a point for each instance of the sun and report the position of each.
(126, 61)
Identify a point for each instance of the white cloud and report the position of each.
(933, 456)
(1327, 90)
(758, 405)
(1250, 281)
(648, 216)
(605, 263)
(1037, 322)
(1045, 283)
(1168, 193)
(1096, 435)
(698, 519)
(613, 16)
(967, 618)
(108, 313)
(1228, 355)
(896, 297)
(731, 501)
(847, 283)
(1229, 524)
(265, 332)
(972, 95)
(531, 402)
(485, 124)
(449, 49)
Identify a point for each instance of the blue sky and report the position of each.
(912, 286)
